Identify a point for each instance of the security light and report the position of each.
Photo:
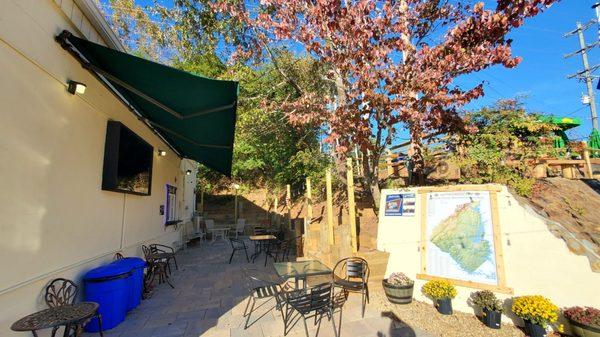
(188, 172)
(76, 88)
(162, 153)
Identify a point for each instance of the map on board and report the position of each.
(460, 242)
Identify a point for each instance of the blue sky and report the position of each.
(541, 77)
(542, 74)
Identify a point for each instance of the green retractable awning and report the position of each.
(194, 114)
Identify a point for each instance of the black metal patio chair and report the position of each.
(355, 271)
(63, 292)
(314, 303)
(238, 245)
(169, 252)
(156, 267)
(279, 251)
(262, 289)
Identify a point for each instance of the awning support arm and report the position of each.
(63, 39)
(132, 89)
(89, 66)
(209, 111)
(184, 137)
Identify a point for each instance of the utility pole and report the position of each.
(596, 8)
(586, 73)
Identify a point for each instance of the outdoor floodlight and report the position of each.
(76, 87)
(188, 172)
(236, 186)
(162, 153)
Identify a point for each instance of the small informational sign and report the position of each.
(400, 204)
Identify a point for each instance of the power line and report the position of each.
(576, 111)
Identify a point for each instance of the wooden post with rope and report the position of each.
(309, 210)
(351, 204)
(330, 238)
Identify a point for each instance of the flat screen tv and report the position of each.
(127, 161)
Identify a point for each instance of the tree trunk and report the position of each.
(341, 101)
(417, 159)
(371, 176)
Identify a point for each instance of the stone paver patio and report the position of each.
(210, 296)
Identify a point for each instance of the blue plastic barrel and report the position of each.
(136, 280)
(109, 287)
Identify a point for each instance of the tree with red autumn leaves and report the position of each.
(390, 64)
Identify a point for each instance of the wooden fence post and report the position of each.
(309, 210)
(288, 205)
(351, 204)
(309, 214)
(589, 172)
(330, 239)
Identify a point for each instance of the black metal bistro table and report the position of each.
(300, 270)
(64, 315)
(261, 243)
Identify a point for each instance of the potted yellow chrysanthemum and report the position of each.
(441, 292)
(537, 312)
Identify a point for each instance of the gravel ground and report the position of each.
(424, 316)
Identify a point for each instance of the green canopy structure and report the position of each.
(564, 124)
(195, 115)
(594, 143)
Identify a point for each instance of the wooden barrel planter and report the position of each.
(398, 294)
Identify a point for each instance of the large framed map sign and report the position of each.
(460, 238)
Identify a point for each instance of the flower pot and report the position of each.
(582, 330)
(398, 294)
(534, 330)
(492, 318)
(444, 306)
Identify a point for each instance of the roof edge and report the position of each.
(99, 23)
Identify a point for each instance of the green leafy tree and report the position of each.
(503, 146)
(268, 150)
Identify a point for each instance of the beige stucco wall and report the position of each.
(55, 219)
(536, 262)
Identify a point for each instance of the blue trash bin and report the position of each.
(109, 287)
(136, 280)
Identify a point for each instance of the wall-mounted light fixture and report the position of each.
(188, 172)
(76, 88)
(162, 153)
